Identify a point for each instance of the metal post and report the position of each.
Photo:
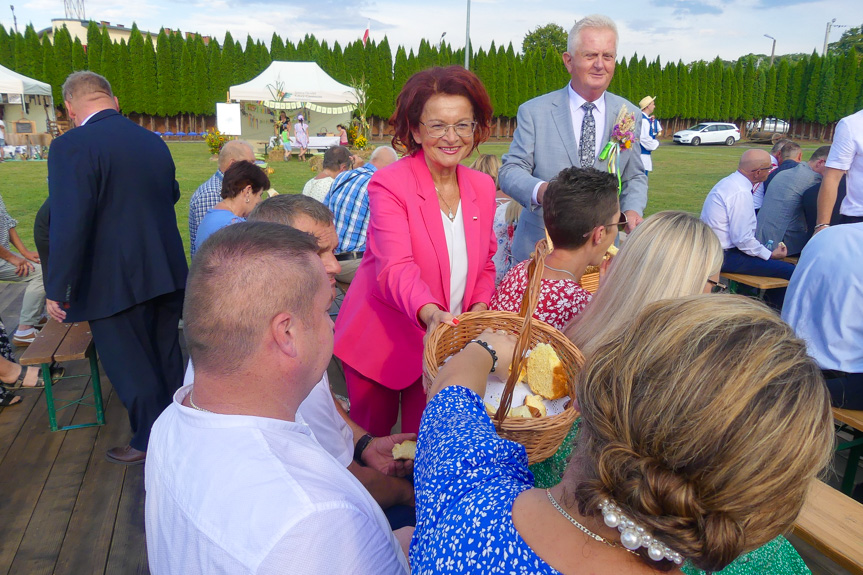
(827, 36)
(14, 18)
(467, 40)
(772, 50)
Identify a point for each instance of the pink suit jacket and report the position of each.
(406, 265)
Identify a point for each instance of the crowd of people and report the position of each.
(679, 459)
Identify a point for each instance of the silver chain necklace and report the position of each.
(192, 403)
(451, 215)
(584, 529)
(569, 273)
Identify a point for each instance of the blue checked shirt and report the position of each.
(205, 198)
(348, 199)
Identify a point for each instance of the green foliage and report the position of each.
(178, 75)
(851, 42)
(544, 38)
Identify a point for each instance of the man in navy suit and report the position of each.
(117, 259)
(572, 127)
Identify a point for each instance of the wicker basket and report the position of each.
(542, 436)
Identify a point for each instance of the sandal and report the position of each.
(7, 398)
(56, 373)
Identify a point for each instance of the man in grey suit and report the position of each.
(570, 127)
(781, 217)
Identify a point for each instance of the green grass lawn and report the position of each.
(682, 177)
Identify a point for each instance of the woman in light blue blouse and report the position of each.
(242, 188)
(684, 455)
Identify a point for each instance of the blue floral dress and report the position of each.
(466, 479)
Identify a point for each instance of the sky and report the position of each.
(669, 29)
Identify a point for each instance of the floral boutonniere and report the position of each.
(622, 137)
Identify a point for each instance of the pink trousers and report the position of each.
(376, 407)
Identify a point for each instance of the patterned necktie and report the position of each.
(587, 153)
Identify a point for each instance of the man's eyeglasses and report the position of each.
(768, 168)
(717, 287)
(621, 225)
(462, 129)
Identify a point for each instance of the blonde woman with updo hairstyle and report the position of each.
(686, 419)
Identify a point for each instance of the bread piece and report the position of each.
(612, 250)
(405, 450)
(522, 411)
(545, 373)
(490, 410)
(535, 405)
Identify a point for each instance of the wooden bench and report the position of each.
(58, 342)
(759, 282)
(833, 523)
(851, 421)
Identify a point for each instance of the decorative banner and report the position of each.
(275, 105)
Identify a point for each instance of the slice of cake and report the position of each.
(545, 373)
(535, 405)
(405, 450)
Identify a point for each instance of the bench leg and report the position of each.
(854, 454)
(97, 388)
(49, 395)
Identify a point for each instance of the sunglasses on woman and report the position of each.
(717, 287)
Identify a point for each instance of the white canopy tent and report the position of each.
(297, 88)
(22, 98)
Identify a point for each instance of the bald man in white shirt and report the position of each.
(729, 211)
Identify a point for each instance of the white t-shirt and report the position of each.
(252, 495)
(456, 245)
(846, 153)
(319, 412)
(318, 188)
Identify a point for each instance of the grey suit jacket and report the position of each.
(544, 144)
(781, 217)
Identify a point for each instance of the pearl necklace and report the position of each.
(192, 403)
(451, 215)
(569, 273)
(584, 529)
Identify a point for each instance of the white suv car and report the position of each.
(709, 133)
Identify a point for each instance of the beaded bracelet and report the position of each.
(486, 346)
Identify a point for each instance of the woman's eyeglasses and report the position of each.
(462, 129)
(717, 287)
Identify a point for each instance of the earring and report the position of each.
(247, 200)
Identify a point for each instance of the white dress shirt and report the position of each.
(728, 210)
(456, 246)
(319, 412)
(648, 142)
(825, 296)
(846, 153)
(576, 113)
(241, 494)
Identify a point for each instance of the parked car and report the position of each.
(709, 133)
(769, 125)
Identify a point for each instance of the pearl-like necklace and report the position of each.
(587, 531)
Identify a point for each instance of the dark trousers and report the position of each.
(736, 262)
(846, 389)
(843, 219)
(140, 351)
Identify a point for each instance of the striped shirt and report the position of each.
(203, 200)
(7, 222)
(348, 199)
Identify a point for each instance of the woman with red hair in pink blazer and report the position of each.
(428, 249)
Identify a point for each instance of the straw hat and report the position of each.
(645, 101)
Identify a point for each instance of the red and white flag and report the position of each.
(366, 33)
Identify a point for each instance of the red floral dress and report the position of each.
(559, 300)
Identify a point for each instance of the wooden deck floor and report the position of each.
(65, 510)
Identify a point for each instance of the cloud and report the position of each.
(781, 3)
(689, 7)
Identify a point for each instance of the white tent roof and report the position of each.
(15, 83)
(284, 82)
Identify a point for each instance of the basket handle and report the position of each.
(529, 301)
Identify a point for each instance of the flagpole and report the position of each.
(467, 40)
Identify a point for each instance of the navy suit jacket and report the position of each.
(113, 232)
